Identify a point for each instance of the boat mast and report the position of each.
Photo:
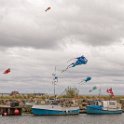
(55, 79)
(54, 90)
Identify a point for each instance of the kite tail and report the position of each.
(46, 10)
(64, 70)
(90, 90)
(82, 82)
(69, 66)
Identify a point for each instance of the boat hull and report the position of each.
(46, 111)
(99, 110)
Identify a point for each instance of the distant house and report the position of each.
(39, 94)
(4, 94)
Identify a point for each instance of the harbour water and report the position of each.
(78, 119)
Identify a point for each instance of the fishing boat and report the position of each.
(104, 107)
(56, 107)
(54, 110)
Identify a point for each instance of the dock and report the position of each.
(6, 110)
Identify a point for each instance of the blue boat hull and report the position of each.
(44, 112)
(98, 110)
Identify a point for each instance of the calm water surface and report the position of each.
(78, 119)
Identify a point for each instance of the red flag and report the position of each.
(6, 71)
(110, 91)
(107, 91)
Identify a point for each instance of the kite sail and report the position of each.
(79, 61)
(94, 88)
(110, 91)
(48, 9)
(7, 71)
(86, 80)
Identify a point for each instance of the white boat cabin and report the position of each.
(111, 105)
(108, 105)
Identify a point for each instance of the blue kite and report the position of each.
(86, 80)
(79, 61)
(94, 88)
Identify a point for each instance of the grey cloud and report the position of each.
(95, 22)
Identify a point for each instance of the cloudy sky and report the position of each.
(33, 42)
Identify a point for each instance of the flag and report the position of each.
(110, 91)
(6, 71)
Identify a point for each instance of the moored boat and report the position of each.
(54, 110)
(104, 107)
(6, 110)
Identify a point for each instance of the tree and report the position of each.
(71, 92)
